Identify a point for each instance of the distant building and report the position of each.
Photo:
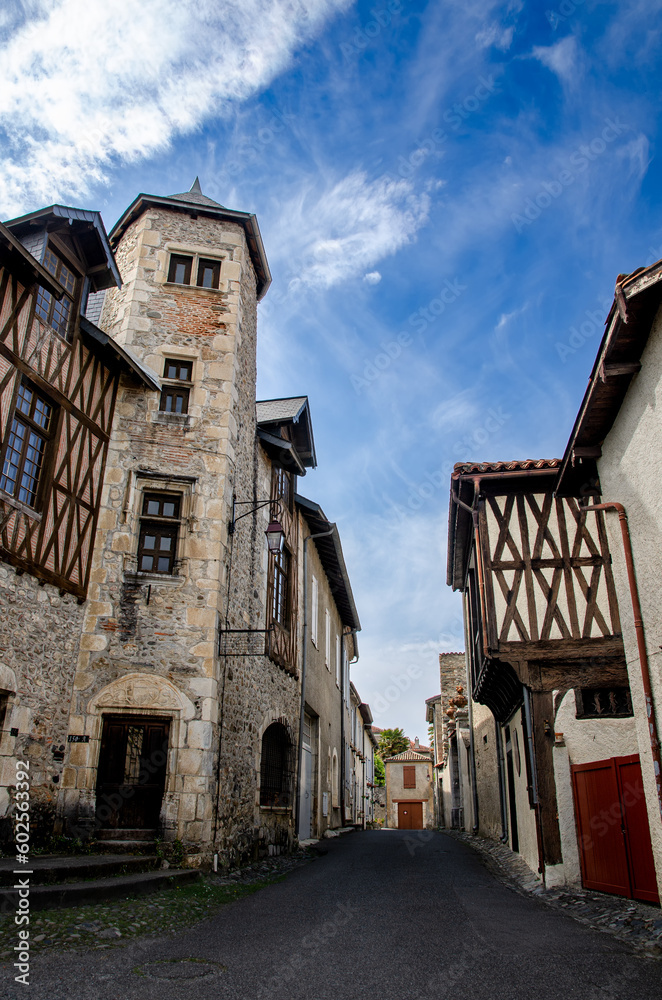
(410, 791)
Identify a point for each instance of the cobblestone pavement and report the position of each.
(107, 924)
(640, 924)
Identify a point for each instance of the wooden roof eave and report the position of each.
(26, 265)
(628, 326)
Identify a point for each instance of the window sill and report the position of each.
(194, 288)
(171, 419)
(276, 809)
(163, 579)
(22, 507)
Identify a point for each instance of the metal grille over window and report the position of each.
(596, 703)
(276, 767)
(26, 446)
(159, 530)
(134, 749)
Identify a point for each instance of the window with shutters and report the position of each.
(26, 446)
(409, 776)
(314, 610)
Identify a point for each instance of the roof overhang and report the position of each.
(366, 714)
(247, 220)
(636, 303)
(120, 356)
(90, 231)
(24, 265)
(286, 430)
(333, 562)
(470, 481)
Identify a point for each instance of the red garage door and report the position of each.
(614, 838)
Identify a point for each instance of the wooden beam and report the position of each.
(542, 708)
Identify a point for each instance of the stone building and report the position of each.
(410, 791)
(186, 699)
(58, 385)
(328, 646)
(449, 715)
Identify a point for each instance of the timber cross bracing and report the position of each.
(548, 567)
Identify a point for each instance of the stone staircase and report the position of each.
(138, 841)
(58, 881)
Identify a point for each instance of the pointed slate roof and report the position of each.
(194, 196)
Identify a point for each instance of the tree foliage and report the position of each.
(392, 742)
(380, 772)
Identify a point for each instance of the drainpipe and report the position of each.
(641, 639)
(472, 756)
(502, 784)
(304, 656)
(534, 781)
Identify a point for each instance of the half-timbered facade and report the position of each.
(59, 378)
(544, 645)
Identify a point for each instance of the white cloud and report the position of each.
(372, 278)
(353, 225)
(83, 84)
(497, 36)
(562, 58)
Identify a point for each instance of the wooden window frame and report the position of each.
(33, 429)
(159, 526)
(582, 696)
(409, 776)
(47, 307)
(175, 260)
(281, 598)
(177, 386)
(207, 264)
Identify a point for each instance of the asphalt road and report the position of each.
(385, 915)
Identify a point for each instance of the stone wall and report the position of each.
(396, 791)
(39, 632)
(150, 642)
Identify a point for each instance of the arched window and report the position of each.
(276, 767)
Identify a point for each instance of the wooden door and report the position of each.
(614, 838)
(131, 773)
(410, 815)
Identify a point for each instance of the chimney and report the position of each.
(416, 744)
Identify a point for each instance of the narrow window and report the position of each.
(327, 639)
(180, 269)
(209, 272)
(58, 313)
(409, 777)
(314, 611)
(175, 397)
(159, 531)
(280, 604)
(31, 430)
(283, 488)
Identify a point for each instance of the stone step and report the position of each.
(49, 897)
(128, 834)
(125, 846)
(48, 869)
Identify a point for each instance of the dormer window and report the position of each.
(58, 313)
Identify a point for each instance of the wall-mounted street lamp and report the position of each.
(275, 534)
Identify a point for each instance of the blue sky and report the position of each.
(447, 193)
